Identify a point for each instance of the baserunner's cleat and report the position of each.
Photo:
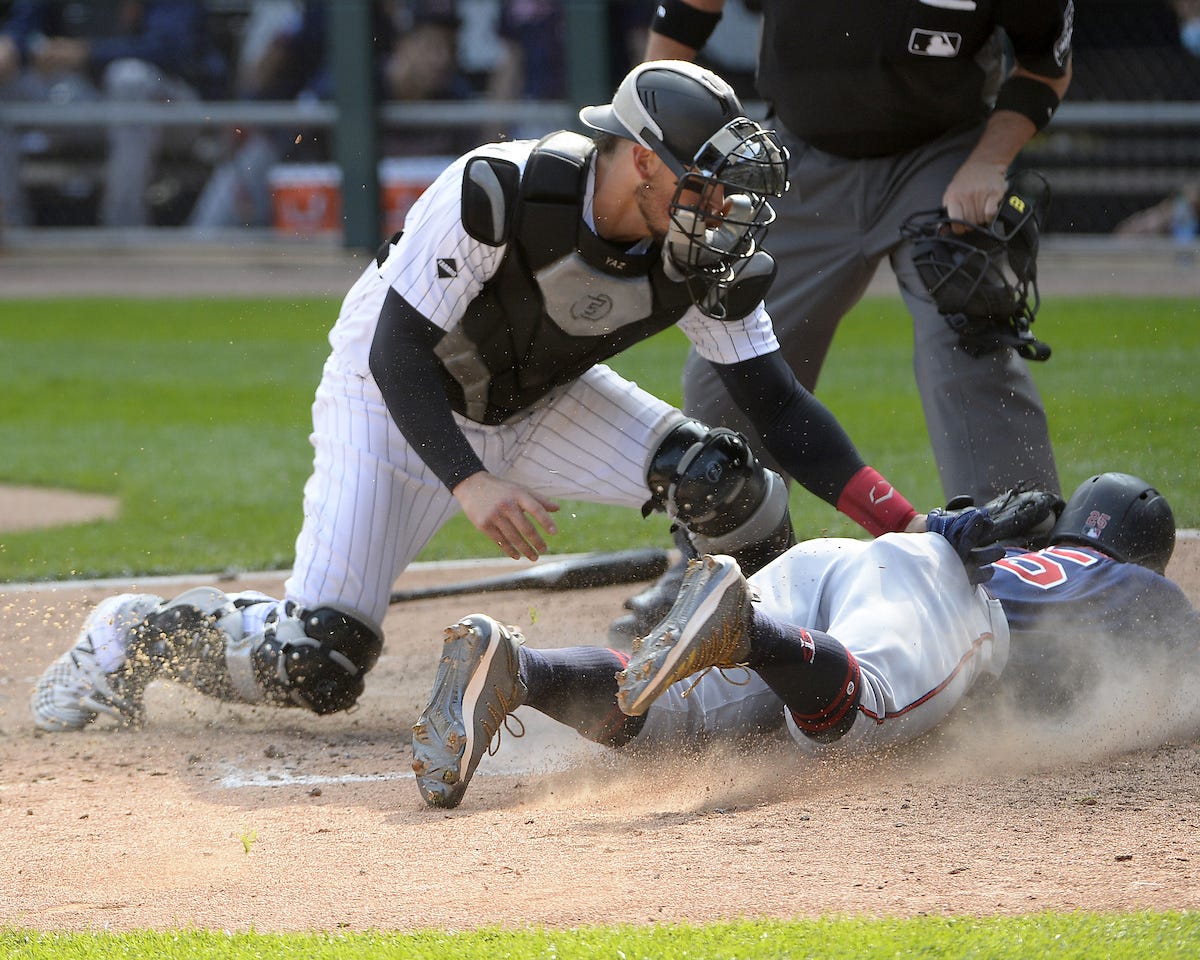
(478, 684)
(708, 626)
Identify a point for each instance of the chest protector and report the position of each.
(562, 300)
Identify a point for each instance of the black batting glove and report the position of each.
(972, 534)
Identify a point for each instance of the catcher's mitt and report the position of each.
(1024, 515)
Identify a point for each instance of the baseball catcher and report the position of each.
(468, 374)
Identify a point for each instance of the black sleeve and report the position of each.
(795, 426)
(406, 369)
(1040, 32)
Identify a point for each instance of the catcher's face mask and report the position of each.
(984, 279)
(719, 215)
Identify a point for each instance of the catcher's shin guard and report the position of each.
(251, 648)
(723, 501)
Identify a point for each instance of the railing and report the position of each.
(1107, 160)
(1104, 149)
(229, 113)
(1070, 116)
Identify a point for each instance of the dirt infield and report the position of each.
(229, 817)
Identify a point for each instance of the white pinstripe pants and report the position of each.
(371, 504)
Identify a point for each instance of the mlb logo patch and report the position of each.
(1095, 523)
(934, 43)
(447, 268)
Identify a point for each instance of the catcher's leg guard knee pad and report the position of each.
(249, 647)
(316, 659)
(709, 481)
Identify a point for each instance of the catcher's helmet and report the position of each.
(984, 279)
(1121, 515)
(694, 122)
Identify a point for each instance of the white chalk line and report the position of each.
(237, 779)
(547, 747)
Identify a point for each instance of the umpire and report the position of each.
(890, 107)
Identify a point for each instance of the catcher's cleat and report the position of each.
(99, 674)
(478, 684)
(708, 626)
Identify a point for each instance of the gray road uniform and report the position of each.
(879, 104)
(918, 638)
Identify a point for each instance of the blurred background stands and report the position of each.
(89, 56)
(1128, 135)
(1126, 142)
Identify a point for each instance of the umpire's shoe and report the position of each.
(651, 604)
(478, 684)
(708, 626)
(100, 674)
(648, 607)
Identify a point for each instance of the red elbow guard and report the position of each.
(874, 504)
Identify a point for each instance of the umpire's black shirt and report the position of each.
(866, 78)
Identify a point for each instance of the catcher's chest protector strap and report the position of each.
(542, 210)
(539, 209)
(385, 248)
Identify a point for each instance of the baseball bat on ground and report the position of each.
(573, 573)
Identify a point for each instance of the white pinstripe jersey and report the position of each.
(372, 502)
(439, 269)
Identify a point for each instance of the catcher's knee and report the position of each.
(316, 659)
(709, 481)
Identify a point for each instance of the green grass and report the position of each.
(192, 413)
(1143, 936)
(195, 415)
